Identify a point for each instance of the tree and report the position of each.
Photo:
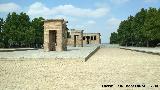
(7, 29)
(15, 28)
(30, 37)
(22, 29)
(113, 38)
(1, 28)
(151, 28)
(143, 29)
(124, 32)
(37, 24)
(137, 27)
(1, 32)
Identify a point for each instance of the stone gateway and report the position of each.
(75, 38)
(55, 35)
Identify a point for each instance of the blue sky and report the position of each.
(101, 16)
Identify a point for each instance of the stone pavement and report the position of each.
(108, 66)
(73, 53)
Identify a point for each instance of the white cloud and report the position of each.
(60, 17)
(112, 26)
(9, 7)
(113, 23)
(119, 1)
(41, 10)
(38, 9)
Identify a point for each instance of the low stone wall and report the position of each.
(94, 51)
(143, 49)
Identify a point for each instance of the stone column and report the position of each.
(81, 38)
(59, 46)
(46, 41)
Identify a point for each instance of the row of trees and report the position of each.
(143, 29)
(17, 30)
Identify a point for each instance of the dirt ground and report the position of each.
(108, 66)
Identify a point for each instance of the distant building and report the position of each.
(75, 38)
(57, 36)
(91, 38)
(78, 38)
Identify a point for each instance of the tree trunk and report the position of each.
(126, 44)
(147, 43)
(132, 43)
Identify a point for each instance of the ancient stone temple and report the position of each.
(91, 38)
(75, 38)
(78, 38)
(55, 35)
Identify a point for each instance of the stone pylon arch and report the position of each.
(55, 35)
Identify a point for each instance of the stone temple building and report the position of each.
(75, 38)
(55, 35)
(91, 38)
(78, 38)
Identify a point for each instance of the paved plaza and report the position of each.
(108, 66)
(73, 53)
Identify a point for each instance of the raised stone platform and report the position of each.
(73, 53)
(144, 49)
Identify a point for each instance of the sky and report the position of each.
(92, 16)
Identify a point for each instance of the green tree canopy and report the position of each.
(20, 31)
(143, 29)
